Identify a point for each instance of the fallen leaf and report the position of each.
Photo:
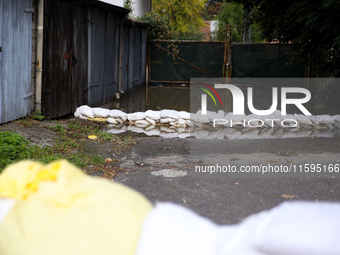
(108, 160)
(288, 196)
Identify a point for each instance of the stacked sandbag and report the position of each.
(171, 123)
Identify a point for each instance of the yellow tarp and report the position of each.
(61, 210)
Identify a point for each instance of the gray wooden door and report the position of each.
(15, 59)
(65, 59)
(98, 31)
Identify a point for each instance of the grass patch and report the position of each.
(69, 145)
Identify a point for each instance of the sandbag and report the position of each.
(155, 115)
(60, 210)
(118, 114)
(169, 114)
(85, 110)
(100, 112)
(136, 116)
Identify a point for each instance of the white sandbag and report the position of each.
(221, 113)
(142, 123)
(181, 122)
(100, 112)
(173, 123)
(118, 114)
(112, 121)
(235, 120)
(184, 115)
(211, 116)
(189, 123)
(167, 129)
(203, 119)
(119, 120)
(169, 114)
(117, 131)
(227, 131)
(181, 130)
(194, 117)
(155, 115)
(136, 116)
(86, 111)
(266, 132)
(152, 132)
(336, 118)
(302, 228)
(151, 121)
(325, 119)
(80, 116)
(278, 132)
(150, 127)
(184, 135)
(77, 114)
(135, 129)
(167, 120)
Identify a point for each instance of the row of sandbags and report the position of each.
(209, 132)
(185, 119)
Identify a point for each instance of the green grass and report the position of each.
(68, 145)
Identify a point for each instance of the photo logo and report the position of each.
(204, 96)
(238, 99)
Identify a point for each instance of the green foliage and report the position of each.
(160, 26)
(12, 147)
(128, 5)
(211, 11)
(182, 14)
(312, 26)
(36, 115)
(97, 160)
(232, 14)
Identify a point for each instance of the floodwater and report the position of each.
(153, 97)
(326, 100)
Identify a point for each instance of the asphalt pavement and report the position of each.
(163, 169)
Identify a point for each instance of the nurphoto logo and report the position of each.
(238, 104)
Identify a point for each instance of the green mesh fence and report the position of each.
(205, 60)
(207, 56)
(263, 60)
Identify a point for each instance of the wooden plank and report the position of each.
(15, 60)
(80, 52)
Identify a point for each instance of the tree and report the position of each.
(312, 26)
(211, 11)
(183, 15)
(232, 13)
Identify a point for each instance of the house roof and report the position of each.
(136, 23)
(105, 6)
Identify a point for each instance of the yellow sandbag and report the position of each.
(61, 210)
(98, 119)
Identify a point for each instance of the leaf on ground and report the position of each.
(288, 196)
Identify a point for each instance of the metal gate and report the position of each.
(15, 59)
(64, 58)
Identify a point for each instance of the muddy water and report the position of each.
(153, 97)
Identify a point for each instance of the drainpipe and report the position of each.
(120, 75)
(38, 76)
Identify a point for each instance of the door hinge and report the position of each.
(27, 95)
